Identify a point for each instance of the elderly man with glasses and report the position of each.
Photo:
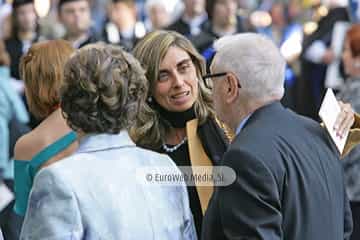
(289, 182)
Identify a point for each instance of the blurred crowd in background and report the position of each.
(309, 32)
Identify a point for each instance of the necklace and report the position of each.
(174, 148)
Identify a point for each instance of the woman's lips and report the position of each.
(180, 98)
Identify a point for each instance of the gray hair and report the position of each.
(256, 61)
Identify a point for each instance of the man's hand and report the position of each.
(344, 120)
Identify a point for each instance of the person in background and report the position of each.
(42, 70)
(315, 58)
(76, 17)
(122, 28)
(350, 92)
(192, 20)
(98, 13)
(275, 31)
(223, 20)
(25, 31)
(5, 19)
(283, 30)
(50, 26)
(159, 14)
(354, 10)
(13, 114)
(104, 88)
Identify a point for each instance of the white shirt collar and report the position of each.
(242, 124)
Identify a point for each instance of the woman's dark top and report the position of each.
(181, 157)
(214, 143)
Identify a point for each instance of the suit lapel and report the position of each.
(199, 158)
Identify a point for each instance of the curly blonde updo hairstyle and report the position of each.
(103, 89)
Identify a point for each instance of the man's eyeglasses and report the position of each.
(208, 79)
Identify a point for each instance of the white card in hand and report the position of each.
(6, 196)
(328, 113)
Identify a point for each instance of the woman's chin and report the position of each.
(181, 108)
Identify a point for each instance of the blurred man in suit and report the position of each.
(289, 182)
(75, 15)
(24, 32)
(193, 19)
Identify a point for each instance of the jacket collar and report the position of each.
(267, 111)
(264, 113)
(104, 141)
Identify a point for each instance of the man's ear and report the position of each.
(232, 88)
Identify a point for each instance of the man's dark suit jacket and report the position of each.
(183, 27)
(289, 183)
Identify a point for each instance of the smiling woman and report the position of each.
(178, 118)
(176, 90)
(177, 87)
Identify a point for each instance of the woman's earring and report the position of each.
(149, 100)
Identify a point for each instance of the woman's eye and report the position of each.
(183, 68)
(163, 77)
